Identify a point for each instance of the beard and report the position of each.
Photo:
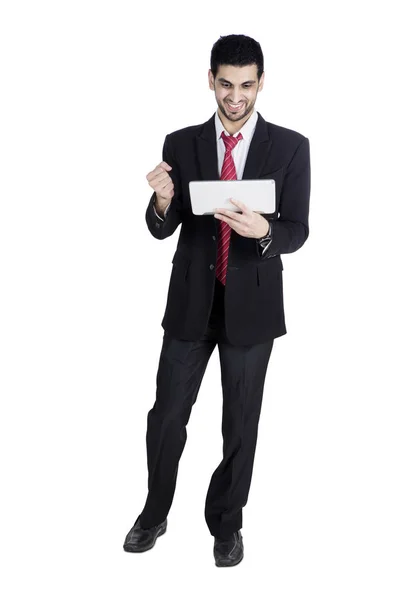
(232, 116)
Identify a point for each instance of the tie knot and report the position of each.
(231, 141)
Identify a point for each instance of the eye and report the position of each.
(247, 85)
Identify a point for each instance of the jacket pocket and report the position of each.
(181, 263)
(269, 270)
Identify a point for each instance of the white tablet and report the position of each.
(207, 196)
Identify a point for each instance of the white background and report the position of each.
(88, 92)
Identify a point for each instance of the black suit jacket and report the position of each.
(254, 310)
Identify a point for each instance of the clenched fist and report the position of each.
(162, 184)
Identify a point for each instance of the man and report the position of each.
(225, 289)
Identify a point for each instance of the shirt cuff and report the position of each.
(165, 212)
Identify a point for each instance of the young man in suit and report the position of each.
(225, 289)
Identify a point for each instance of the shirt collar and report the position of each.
(247, 130)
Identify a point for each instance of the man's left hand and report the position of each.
(248, 223)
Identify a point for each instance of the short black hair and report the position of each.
(238, 51)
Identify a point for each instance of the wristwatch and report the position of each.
(267, 238)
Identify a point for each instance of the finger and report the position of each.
(227, 219)
(233, 224)
(163, 176)
(163, 167)
(166, 189)
(238, 217)
(241, 205)
(157, 176)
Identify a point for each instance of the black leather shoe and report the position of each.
(140, 540)
(228, 553)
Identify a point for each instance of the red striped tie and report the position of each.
(228, 172)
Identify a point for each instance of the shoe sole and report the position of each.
(130, 548)
(229, 564)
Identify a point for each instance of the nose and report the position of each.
(235, 99)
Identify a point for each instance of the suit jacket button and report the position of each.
(211, 267)
(157, 225)
(214, 238)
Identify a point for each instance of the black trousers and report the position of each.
(181, 368)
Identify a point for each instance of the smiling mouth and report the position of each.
(235, 108)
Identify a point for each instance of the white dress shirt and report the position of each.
(239, 152)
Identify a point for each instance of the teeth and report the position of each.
(235, 105)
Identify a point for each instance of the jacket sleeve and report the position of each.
(163, 228)
(291, 228)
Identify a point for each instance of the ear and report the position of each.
(261, 84)
(210, 79)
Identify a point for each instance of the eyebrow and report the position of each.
(223, 80)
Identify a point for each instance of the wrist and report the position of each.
(160, 205)
(267, 234)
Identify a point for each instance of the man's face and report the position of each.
(236, 86)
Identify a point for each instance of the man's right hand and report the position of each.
(162, 184)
